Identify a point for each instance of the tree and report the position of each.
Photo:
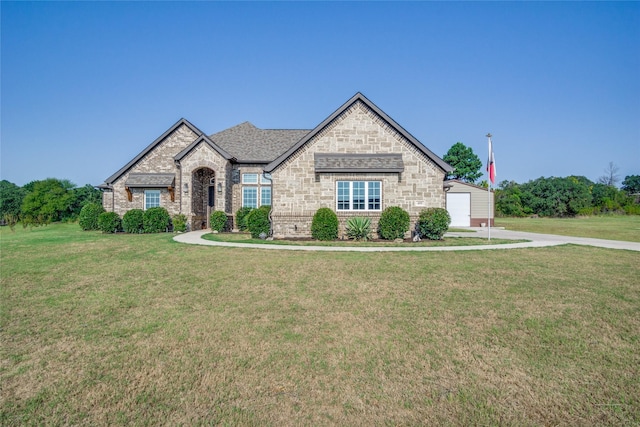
(465, 163)
(557, 197)
(610, 176)
(631, 184)
(10, 199)
(50, 200)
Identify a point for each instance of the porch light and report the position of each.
(185, 188)
(219, 188)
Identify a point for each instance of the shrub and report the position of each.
(155, 220)
(218, 220)
(179, 222)
(394, 223)
(324, 225)
(433, 223)
(241, 218)
(132, 221)
(258, 221)
(359, 228)
(632, 209)
(109, 222)
(88, 218)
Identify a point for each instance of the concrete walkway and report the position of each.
(535, 241)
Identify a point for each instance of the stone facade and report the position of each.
(299, 192)
(209, 178)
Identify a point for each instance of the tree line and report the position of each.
(553, 197)
(44, 201)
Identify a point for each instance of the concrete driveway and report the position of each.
(535, 240)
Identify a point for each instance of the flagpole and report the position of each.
(489, 187)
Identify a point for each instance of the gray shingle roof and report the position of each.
(248, 144)
(150, 180)
(348, 163)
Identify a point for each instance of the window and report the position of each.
(249, 178)
(265, 196)
(265, 179)
(250, 197)
(151, 199)
(358, 196)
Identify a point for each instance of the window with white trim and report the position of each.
(250, 197)
(358, 195)
(265, 179)
(265, 196)
(151, 199)
(249, 178)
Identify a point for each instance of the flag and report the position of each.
(491, 164)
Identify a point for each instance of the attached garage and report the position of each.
(468, 204)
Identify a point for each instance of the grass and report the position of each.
(611, 227)
(138, 330)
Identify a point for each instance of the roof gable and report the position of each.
(358, 97)
(205, 140)
(150, 147)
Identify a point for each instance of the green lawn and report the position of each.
(140, 330)
(612, 227)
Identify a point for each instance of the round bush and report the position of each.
(218, 220)
(109, 222)
(258, 221)
(133, 220)
(88, 218)
(155, 220)
(324, 225)
(394, 223)
(179, 222)
(433, 223)
(241, 218)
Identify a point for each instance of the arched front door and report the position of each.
(202, 197)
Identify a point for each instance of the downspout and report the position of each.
(177, 163)
(270, 178)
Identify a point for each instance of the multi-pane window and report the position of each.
(265, 196)
(151, 199)
(358, 196)
(257, 191)
(250, 197)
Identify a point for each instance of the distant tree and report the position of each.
(610, 176)
(508, 199)
(50, 200)
(83, 196)
(556, 197)
(466, 164)
(10, 199)
(631, 184)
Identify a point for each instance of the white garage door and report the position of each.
(459, 207)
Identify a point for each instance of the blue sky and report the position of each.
(87, 85)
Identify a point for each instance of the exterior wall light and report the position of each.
(185, 188)
(219, 188)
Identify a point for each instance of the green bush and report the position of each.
(258, 221)
(179, 222)
(632, 209)
(109, 222)
(132, 221)
(88, 218)
(155, 220)
(359, 228)
(394, 223)
(433, 223)
(241, 218)
(324, 225)
(218, 220)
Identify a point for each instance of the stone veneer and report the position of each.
(298, 192)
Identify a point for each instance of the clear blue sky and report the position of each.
(87, 85)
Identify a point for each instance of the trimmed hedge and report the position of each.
(324, 225)
(258, 221)
(133, 221)
(109, 222)
(241, 218)
(156, 220)
(218, 220)
(88, 218)
(394, 223)
(433, 223)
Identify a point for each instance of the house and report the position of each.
(357, 161)
(468, 204)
